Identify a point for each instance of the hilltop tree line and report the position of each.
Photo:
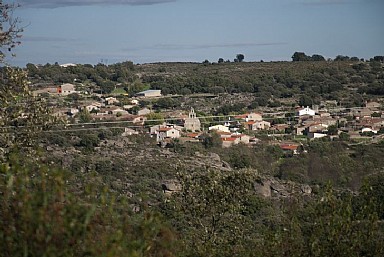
(317, 80)
(301, 56)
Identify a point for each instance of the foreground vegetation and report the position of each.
(46, 211)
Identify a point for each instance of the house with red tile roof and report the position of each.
(234, 139)
(168, 132)
(253, 116)
(290, 148)
(257, 125)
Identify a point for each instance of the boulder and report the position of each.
(170, 186)
(305, 189)
(263, 187)
(214, 157)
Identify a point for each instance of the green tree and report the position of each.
(240, 156)
(342, 58)
(154, 118)
(209, 211)
(300, 56)
(344, 136)
(23, 116)
(84, 116)
(332, 130)
(378, 58)
(373, 193)
(41, 214)
(240, 57)
(331, 225)
(211, 140)
(317, 58)
(305, 100)
(167, 103)
(10, 30)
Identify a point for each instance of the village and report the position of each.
(287, 128)
(191, 128)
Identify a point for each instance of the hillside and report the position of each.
(95, 172)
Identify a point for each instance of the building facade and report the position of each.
(66, 89)
(192, 123)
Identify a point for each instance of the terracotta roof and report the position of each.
(242, 116)
(280, 126)
(249, 123)
(316, 124)
(193, 135)
(164, 129)
(289, 147)
(228, 139)
(223, 132)
(238, 136)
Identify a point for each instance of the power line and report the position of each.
(203, 119)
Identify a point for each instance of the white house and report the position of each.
(258, 125)
(164, 133)
(313, 135)
(129, 132)
(305, 111)
(66, 65)
(366, 129)
(66, 89)
(93, 106)
(149, 93)
(118, 111)
(235, 139)
(111, 100)
(253, 116)
(219, 128)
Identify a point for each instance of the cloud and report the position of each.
(66, 3)
(47, 39)
(325, 2)
(201, 46)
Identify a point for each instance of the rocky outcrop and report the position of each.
(305, 189)
(170, 186)
(263, 187)
(268, 186)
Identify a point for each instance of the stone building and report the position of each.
(192, 123)
(66, 89)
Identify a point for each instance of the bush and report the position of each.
(40, 216)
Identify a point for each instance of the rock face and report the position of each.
(263, 187)
(170, 186)
(211, 160)
(268, 186)
(305, 189)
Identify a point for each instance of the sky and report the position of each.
(147, 31)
